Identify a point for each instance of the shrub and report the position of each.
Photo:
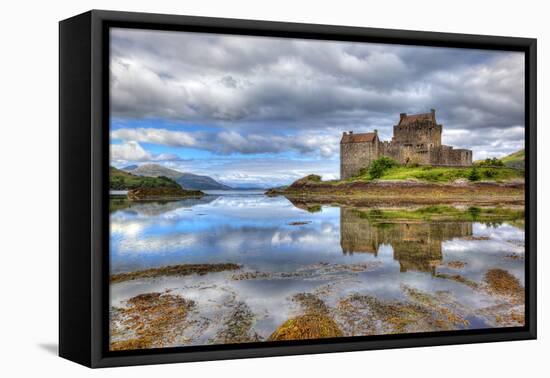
(473, 175)
(379, 166)
(474, 212)
(491, 162)
(313, 178)
(490, 173)
(363, 171)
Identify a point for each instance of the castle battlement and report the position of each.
(416, 139)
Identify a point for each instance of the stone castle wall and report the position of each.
(405, 154)
(448, 156)
(418, 133)
(354, 156)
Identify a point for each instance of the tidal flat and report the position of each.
(246, 267)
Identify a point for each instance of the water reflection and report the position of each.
(417, 246)
(155, 208)
(333, 253)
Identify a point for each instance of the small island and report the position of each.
(413, 168)
(385, 182)
(144, 188)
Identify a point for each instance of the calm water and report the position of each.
(330, 252)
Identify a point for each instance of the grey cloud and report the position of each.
(251, 84)
(225, 142)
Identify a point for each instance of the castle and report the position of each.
(416, 140)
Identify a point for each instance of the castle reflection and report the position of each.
(416, 246)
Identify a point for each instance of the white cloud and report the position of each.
(129, 151)
(132, 151)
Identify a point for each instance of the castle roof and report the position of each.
(358, 138)
(408, 119)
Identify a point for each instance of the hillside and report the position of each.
(187, 180)
(130, 167)
(148, 188)
(447, 174)
(515, 160)
(120, 180)
(152, 170)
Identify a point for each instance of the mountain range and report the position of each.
(186, 180)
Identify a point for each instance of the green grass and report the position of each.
(446, 174)
(515, 160)
(443, 213)
(120, 180)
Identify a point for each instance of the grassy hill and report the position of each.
(515, 160)
(386, 168)
(186, 180)
(447, 174)
(120, 180)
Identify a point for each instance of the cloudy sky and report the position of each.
(259, 111)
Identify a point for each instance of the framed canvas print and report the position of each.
(233, 188)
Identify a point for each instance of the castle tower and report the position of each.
(357, 151)
(417, 130)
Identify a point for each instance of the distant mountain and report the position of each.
(187, 180)
(130, 167)
(515, 160)
(192, 181)
(153, 170)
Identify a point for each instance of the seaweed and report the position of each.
(174, 270)
(237, 327)
(455, 264)
(314, 322)
(458, 278)
(501, 283)
(309, 326)
(148, 321)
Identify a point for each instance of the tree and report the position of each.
(379, 166)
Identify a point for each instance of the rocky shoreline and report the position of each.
(162, 193)
(407, 192)
(168, 318)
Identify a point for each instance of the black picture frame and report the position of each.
(83, 182)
